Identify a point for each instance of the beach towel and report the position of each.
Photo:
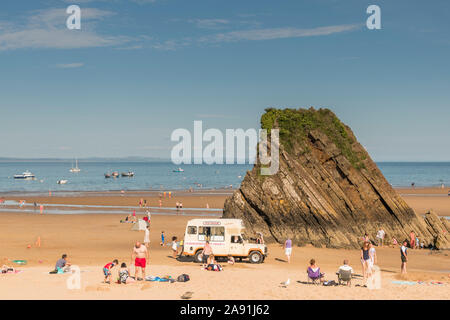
(159, 279)
(410, 283)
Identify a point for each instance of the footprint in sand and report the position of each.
(146, 286)
(96, 288)
(187, 295)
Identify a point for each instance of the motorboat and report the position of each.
(178, 170)
(128, 174)
(61, 182)
(107, 175)
(115, 174)
(27, 175)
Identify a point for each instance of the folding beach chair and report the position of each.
(344, 277)
(314, 276)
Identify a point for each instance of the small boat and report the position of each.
(27, 175)
(128, 174)
(61, 182)
(178, 170)
(76, 169)
(115, 174)
(107, 175)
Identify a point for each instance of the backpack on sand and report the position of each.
(183, 278)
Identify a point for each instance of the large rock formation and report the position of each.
(327, 192)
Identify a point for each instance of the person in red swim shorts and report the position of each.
(140, 256)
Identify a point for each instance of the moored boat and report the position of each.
(27, 175)
(128, 174)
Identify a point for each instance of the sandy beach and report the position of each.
(95, 239)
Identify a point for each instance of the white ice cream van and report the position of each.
(224, 236)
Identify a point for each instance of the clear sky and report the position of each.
(138, 69)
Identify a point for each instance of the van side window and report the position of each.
(192, 230)
(211, 233)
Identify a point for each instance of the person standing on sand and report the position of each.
(140, 257)
(207, 251)
(380, 237)
(404, 256)
(288, 249)
(174, 247)
(412, 240)
(365, 259)
(147, 237)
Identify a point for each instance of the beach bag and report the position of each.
(183, 278)
(330, 283)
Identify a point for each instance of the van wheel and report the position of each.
(255, 257)
(198, 257)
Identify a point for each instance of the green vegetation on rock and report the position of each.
(294, 125)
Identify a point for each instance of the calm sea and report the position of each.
(160, 176)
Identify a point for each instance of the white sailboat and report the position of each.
(76, 169)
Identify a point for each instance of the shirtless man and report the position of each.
(140, 257)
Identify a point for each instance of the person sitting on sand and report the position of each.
(346, 268)
(124, 274)
(107, 270)
(62, 265)
(212, 264)
(313, 271)
(7, 269)
(231, 259)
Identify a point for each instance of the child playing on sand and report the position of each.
(162, 239)
(174, 247)
(107, 270)
(124, 274)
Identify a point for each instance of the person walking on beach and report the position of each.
(288, 249)
(412, 240)
(147, 237)
(404, 256)
(365, 259)
(140, 257)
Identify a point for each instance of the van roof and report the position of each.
(217, 222)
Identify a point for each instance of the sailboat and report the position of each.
(76, 169)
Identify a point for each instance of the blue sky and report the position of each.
(139, 69)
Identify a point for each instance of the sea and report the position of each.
(161, 176)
